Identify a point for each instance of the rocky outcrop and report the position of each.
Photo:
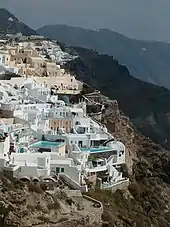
(27, 205)
(145, 104)
(11, 25)
(145, 201)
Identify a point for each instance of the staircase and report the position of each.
(71, 183)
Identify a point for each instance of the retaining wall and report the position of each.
(93, 219)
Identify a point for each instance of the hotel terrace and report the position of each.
(43, 136)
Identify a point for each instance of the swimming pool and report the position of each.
(46, 144)
(96, 149)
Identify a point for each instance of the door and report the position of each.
(80, 143)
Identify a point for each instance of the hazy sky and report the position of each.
(142, 19)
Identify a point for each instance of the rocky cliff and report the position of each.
(145, 202)
(145, 104)
(148, 61)
(9, 24)
(28, 204)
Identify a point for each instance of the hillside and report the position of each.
(9, 24)
(29, 204)
(147, 105)
(146, 203)
(148, 61)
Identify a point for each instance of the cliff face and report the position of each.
(147, 105)
(11, 25)
(28, 204)
(145, 202)
(141, 57)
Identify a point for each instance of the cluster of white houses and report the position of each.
(45, 137)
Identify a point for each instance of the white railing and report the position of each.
(108, 185)
(97, 168)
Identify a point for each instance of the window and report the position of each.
(3, 59)
(62, 170)
(57, 170)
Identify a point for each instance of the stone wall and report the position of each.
(122, 186)
(93, 219)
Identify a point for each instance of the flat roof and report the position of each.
(61, 162)
(21, 156)
(75, 109)
(23, 162)
(37, 58)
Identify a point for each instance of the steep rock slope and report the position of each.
(146, 202)
(9, 24)
(28, 204)
(147, 105)
(148, 61)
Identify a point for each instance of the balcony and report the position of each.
(97, 165)
(98, 136)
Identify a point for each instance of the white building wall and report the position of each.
(4, 147)
(2, 59)
(7, 145)
(79, 139)
(72, 172)
(32, 171)
(2, 162)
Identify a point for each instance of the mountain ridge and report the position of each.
(149, 110)
(11, 25)
(145, 202)
(146, 60)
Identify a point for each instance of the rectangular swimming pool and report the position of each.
(46, 144)
(96, 149)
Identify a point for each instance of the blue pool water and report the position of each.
(96, 149)
(45, 144)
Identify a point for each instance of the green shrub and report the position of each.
(134, 189)
(54, 206)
